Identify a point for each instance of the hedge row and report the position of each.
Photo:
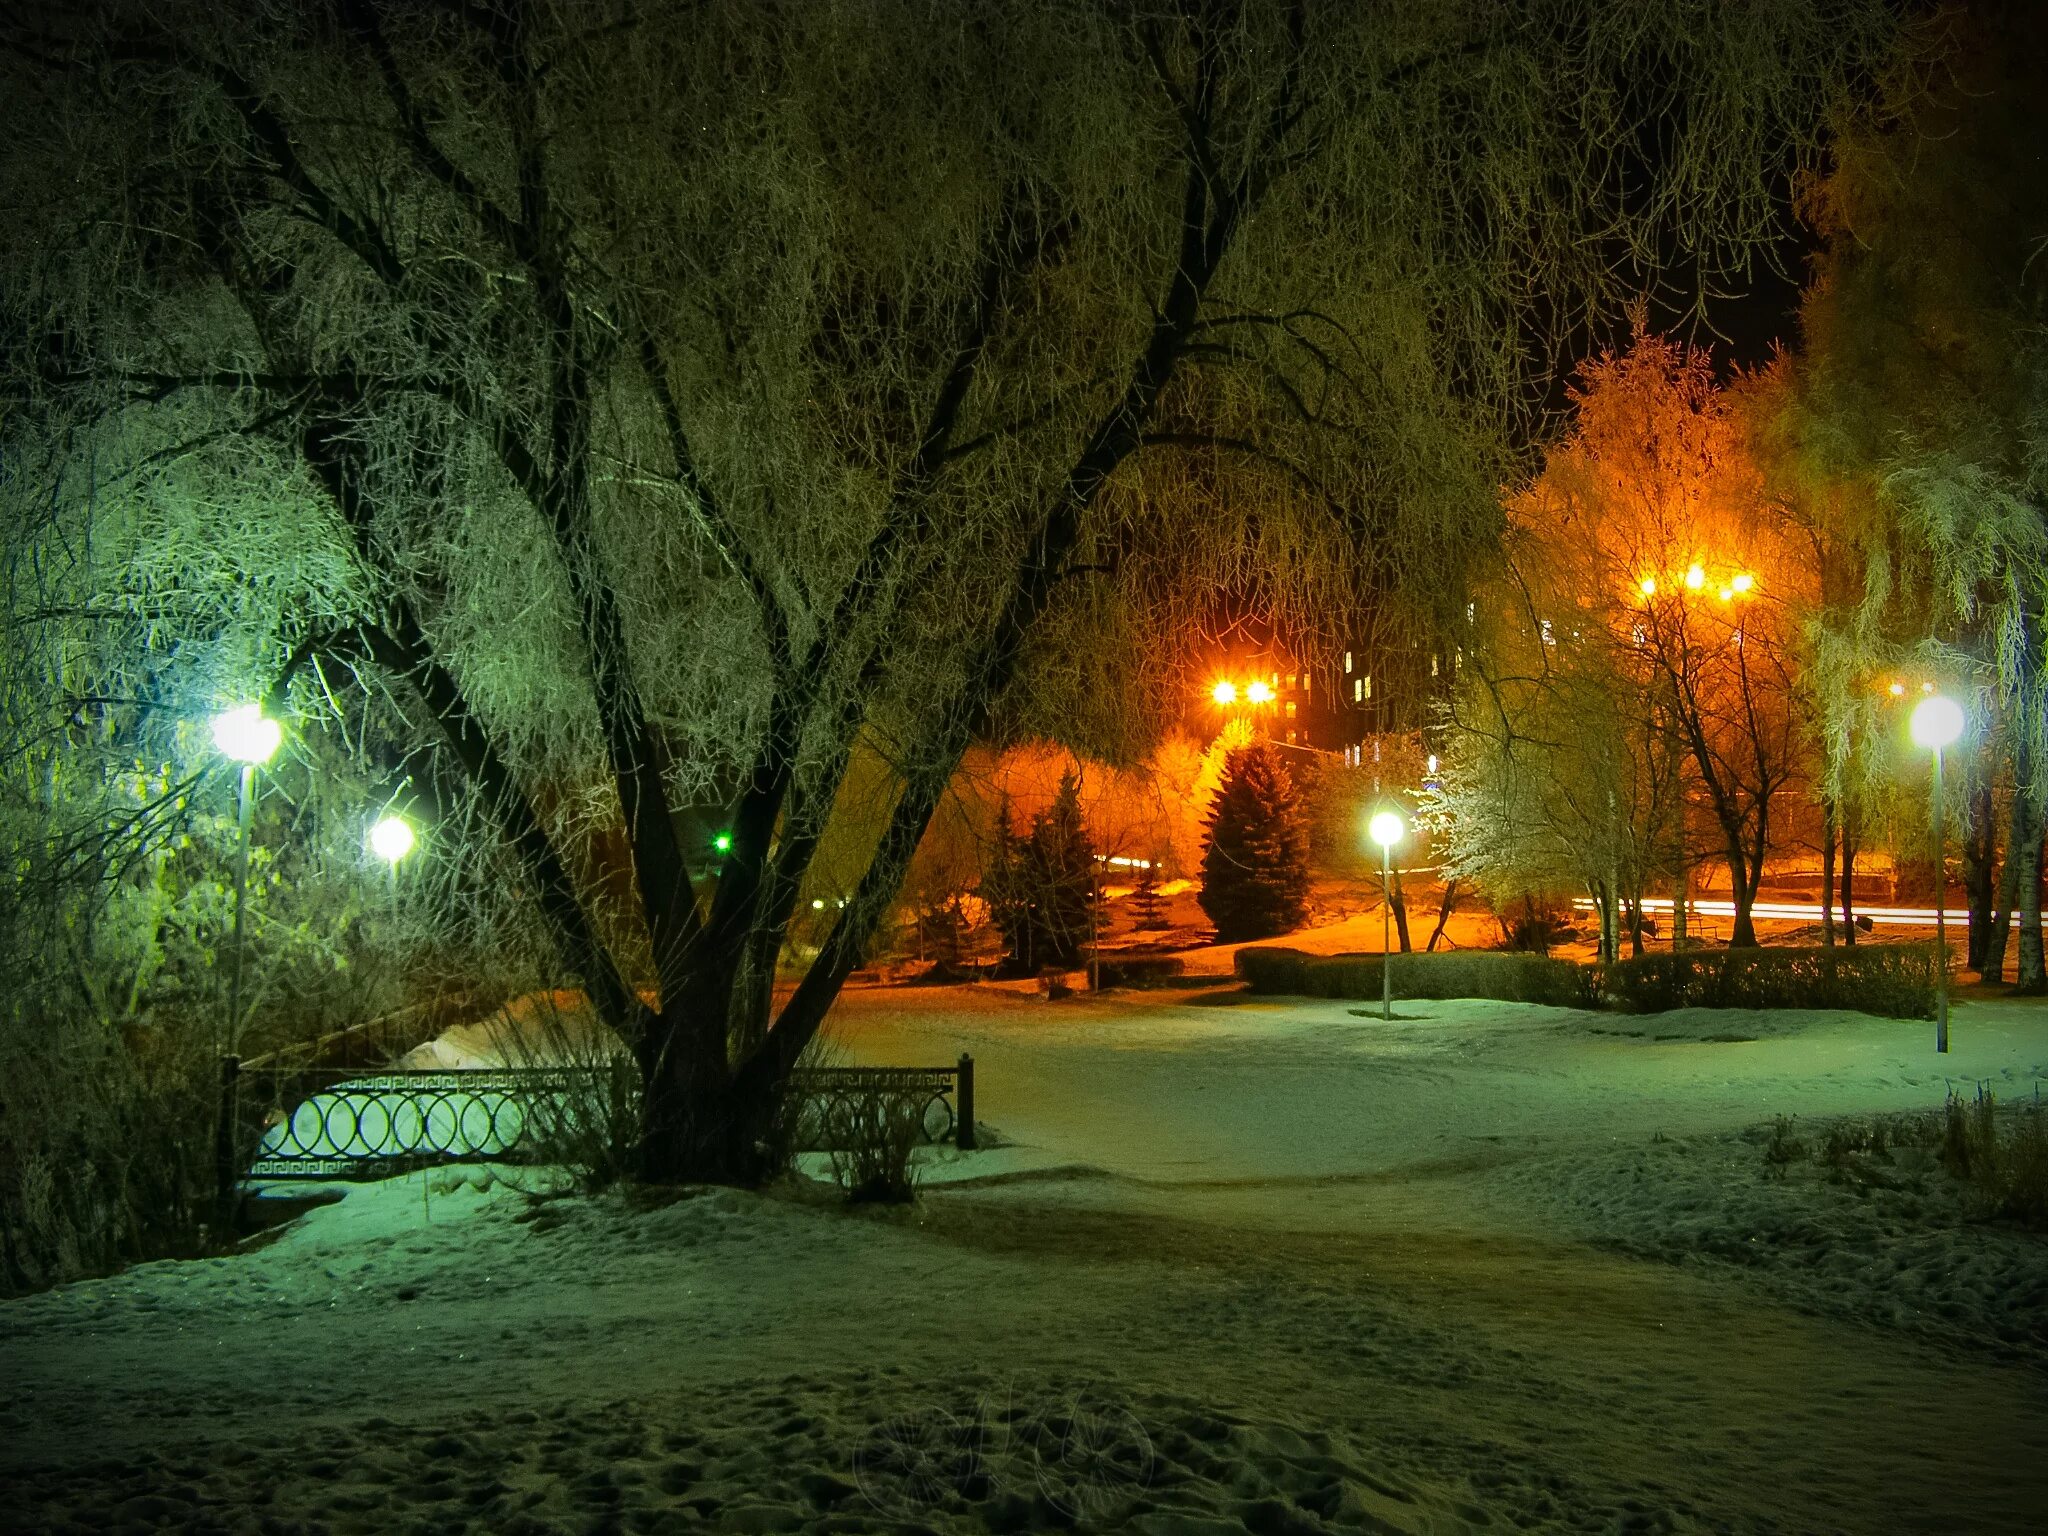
(1514, 978)
(1892, 980)
(1138, 970)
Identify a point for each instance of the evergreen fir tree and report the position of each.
(1061, 861)
(1148, 906)
(1255, 867)
(1006, 888)
(1040, 888)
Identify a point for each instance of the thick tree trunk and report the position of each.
(1997, 942)
(1827, 871)
(1400, 913)
(1742, 884)
(1681, 897)
(2033, 975)
(1443, 915)
(1848, 878)
(1980, 850)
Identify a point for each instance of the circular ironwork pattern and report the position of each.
(439, 1116)
(348, 1125)
(831, 1118)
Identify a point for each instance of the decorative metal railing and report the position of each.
(289, 1122)
(837, 1101)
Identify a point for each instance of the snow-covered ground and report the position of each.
(1240, 1265)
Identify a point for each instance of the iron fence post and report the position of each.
(963, 1128)
(224, 1174)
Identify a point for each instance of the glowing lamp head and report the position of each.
(1695, 577)
(1743, 582)
(1259, 693)
(817, 903)
(1648, 586)
(246, 735)
(722, 842)
(1937, 721)
(1386, 828)
(1898, 690)
(1224, 693)
(391, 839)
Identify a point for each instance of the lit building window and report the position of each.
(1290, 709)
(1366, 682)
(1347, 661)
(1358, 690)
(1290, 738)
(1432, 664)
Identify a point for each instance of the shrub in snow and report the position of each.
(871, 1138)
(1255, 875)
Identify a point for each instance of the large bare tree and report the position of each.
(660, 398)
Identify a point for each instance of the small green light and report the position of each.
(722, 842)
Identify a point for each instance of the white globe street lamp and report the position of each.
(1386, 828)
(391, 839)
(248, 736)
(1937, 722)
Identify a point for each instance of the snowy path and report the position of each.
(1258, 1271)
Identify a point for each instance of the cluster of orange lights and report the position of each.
(1226, 693)
(1695, 580)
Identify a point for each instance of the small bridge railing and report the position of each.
(297, 1122)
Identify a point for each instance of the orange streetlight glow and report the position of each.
(1649, 586)
(1224, 693)
(1695, 577)
(1898, 690)
(1259, 693)
(1743, 582)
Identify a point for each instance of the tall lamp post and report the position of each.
(1386, 828)
(249, 737)
(1936, 722)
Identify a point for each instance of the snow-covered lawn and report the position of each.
(1239, 1265)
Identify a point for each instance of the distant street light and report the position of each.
(1259, 693)
(1224, 693)
(1936, 722)
(1695, 577)
(1386, 828)
(249, 737)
